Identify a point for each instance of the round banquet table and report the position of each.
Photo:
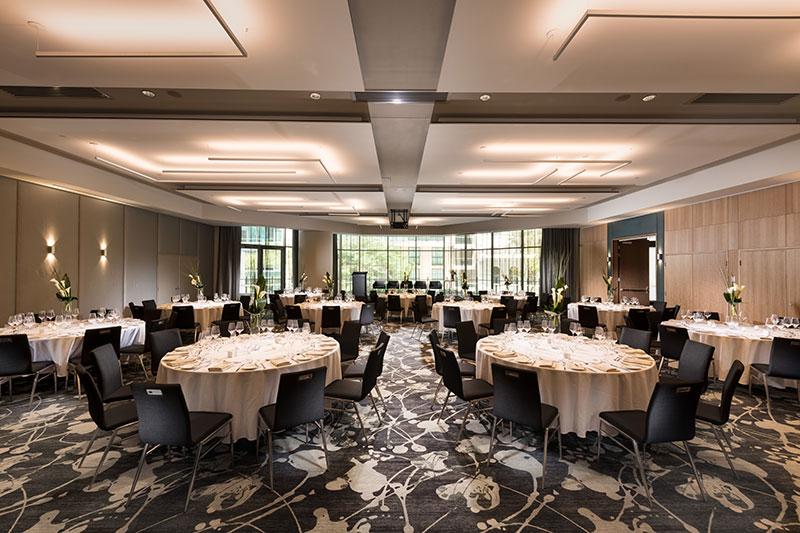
(313, 311)
(477, 312)
(204, 312)
(612, 315)
(288, 298)
(598, 376)
(748, 344)
(406, 298)
(49, 342)
(240, 375)
(495, 298)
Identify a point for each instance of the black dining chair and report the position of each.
(299, 298)
(107, 418)
(300, 401)
(499, 325)
(517, 400)
(149, 304)
(379, 285)
(349, 340)
(106, 365)
(435, 285)
(671, 313)
(16, 360)
(137, 311)
(466, 369)
(161, 343)
(530, 307)
(784, 362)
(635, 338)
(439, 297)
(670, 417)
(469, 390)
(393, 285)
(637, 319)
(497, 312)
(380, 309)
(294, 312)
(451, 315)
(512, 309)
(351, 392)
(245, 301)
(357, 369)
(694, 363)
(587, 316)
(564, 324)
(230, 312)
(164, 419)
(94, 338)
(467, 340)
(421, 285)
(182, 318)
(420, 320)
(658, 305)
(152, 322)
(672, 341)
(394, 306)
(717, 415)
(367, 316)
(332, 318)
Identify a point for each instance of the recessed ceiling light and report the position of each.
(149, 94)
(397, 101)
(315, 96)
(485, 97)
(649, 98)
(400, 189)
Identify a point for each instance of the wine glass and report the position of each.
(214, 334)
(262, 326)
(76, 313)
(306, 328)
(600, 333)
(573, 328)
(239, 327)
(706, 315)
(795, 322)
(270, 325)
(231, 329)
(92, 318)
(59, 320)
(291, 325)
(526, 326)
(51, 315)
(29, 320)
(42, 315)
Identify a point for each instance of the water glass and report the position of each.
(92, 318)
(239, 327)
(306, 328)
(600, 333)
(51, 315)
(214, 333)
(231, 329)
(270, 325)
(43, 315)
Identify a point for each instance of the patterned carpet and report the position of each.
(411, 476)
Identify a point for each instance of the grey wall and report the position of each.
(148, 254)
(315, 256)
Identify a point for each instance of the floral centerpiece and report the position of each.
(506, 281)
(197, 282)
(328, 281)
(609, 281)
(557, 305)
(63, 289)
(258, 303)
(733, 295)
(464, 282)
(302, 280)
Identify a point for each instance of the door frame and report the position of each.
(615, 246)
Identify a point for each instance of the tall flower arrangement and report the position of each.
(732, 292)
(557, 304)
(609, 281)
(302, 280)
(328, 281)
(258, 302)
(63, 289)
(464, 281)
(506, 281)
(194, 276)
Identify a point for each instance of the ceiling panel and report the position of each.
(342, 205)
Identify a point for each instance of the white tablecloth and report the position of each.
(747, 344)
(243, 390)
(582, 393)
(204, 312)
(313, 311)
(406, 298)
(495, 298)
(57, 344)
(479, 313)
(288, 299)
(612, 315)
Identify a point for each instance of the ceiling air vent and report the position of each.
(398, 218)
(53, 92)
(401, 97)
(742, 98)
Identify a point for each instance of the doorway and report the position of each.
(635, 268)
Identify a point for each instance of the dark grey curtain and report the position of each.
(230, 245)
(555, 243)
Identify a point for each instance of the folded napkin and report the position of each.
(634, 365)
(573, 366)
(249, 366)
(505, 355)
(604, 367)
(546, 363)
(279, 361)
(180, 349)
(217, 368)
(304, 357)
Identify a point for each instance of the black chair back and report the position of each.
(245, 301)
(420, 285)
(230, 312)
(671, 313)
(392, 284)
(299, 298)
(332, 317)
(372, 370)
(638, 318)
(163, 415)
(729, 388)
(432, 294)
(451, 373)
(451, 315)
(380, 309)
(350, 337)
(151, 326)
(416, 312)
(467, 339)
(654, 319)
(96, 337)
(182, 317)
(280, 308)
(672, 341)
(635, 338)
(439, 297)
(516, 396)
(161, 343)
(149, 304)
(499, 325)
(531, 305)
(564, 323)
(511, 308)
(437, 285)
(695, 361)
(497, 312)
(379, 285)
(435, 347)
(670, 414)
(422, 302)
(150, 315)
(475, 297)
(504, 300)
(394, 303)
(367, 316)
(93, 397)
(300, 398)
(658, 305)
(106, 363)
(293, 312)
(587, 316)
(15, 355)
(384, 338)
(784, 358)
(137, 311)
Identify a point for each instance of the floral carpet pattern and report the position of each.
(410, 476)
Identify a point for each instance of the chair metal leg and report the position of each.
(560, 455)
(194, 475)
(380, 396)
(306, 426)
(103, 458)
(464, 422)
(544, 459)
(372, 399)
(724, 451)
(727, 440)
(642, 473)
(766, 389)
(361, 422)
(599, 438)
(321, 426)
(230, 434)
(55, 383)
(269, 453)
(144, 369)
(33, 389)
(446, 398)
(491, 441)
(696, 475)
(86, 452)
(438, 386)
(136, 476)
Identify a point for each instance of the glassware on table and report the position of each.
(292, 325)
(526, 326)
(231, 329)
(28, 320)
(795, 322)
(511, 327)
(600, 333)
(76, 313)
(59, 320)
(575, 328)
(42, 315)
(51, 315)
(270, 325)
(92, 318)
(239, 327)
(706, 315)
(214, 333)
(306, 328)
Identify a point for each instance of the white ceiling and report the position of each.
(347, 205)
(297, 45)
(508, 46)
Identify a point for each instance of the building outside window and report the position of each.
(269, 252)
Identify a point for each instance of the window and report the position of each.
(486, 258)
(269, 252)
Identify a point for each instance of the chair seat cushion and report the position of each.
(122, 393)
(134, 349)
(349, 356)
(709, 412)
(475, 389)
(356, 370)
(632, 423)
(344, 389)
(205, 423)
(549, 413)
(468, 356)
(485, 326)
(761, 367)
(466, 369)
(118, 415)
(267, 414)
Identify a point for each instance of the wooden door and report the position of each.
(633, 260)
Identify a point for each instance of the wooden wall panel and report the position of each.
(678, 280)
(680, 218)
(764, 203)
(763, 273)
(792, 282)
(713, 238)
(767, 232)
(593, 260)
(8, 248)
(793, 197)
(678, 241)
(708, 282)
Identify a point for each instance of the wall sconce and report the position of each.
(51, 250)
(103, 253)
(660, 256)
